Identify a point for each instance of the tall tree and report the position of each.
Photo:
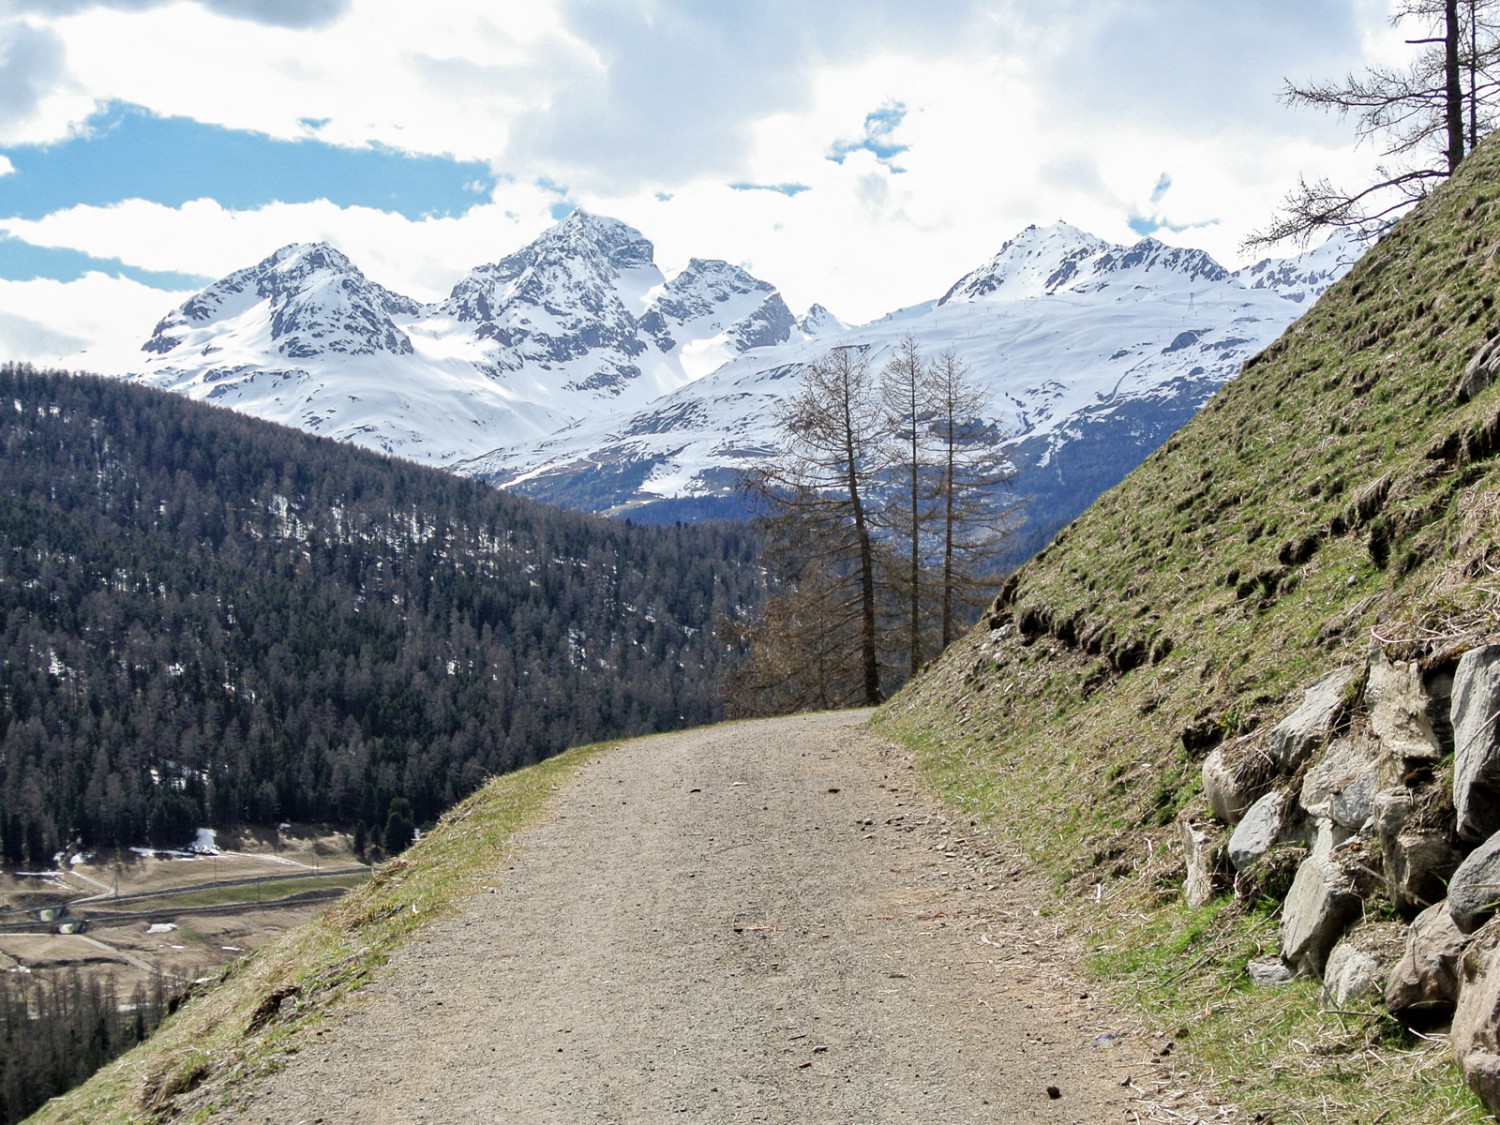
(905, 385)
(817, 480)
(971, 470)
(1427, 117)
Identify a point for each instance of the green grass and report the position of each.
(1335, 492)
(263, 1006)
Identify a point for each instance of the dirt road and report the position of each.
(761, 922)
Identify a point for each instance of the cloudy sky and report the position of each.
(859, 153)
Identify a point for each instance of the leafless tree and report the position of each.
(1427, 118)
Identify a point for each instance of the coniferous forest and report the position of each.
(205, 618)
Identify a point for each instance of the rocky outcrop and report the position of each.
(1360, 770)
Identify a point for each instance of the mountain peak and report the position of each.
(1038, 261)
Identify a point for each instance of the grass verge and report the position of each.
(249, 1020)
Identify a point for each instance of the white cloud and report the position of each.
(1016, 111)
(50, 322)
(6, 167)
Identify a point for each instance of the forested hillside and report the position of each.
(206, 618)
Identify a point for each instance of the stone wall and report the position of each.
(1378, 796)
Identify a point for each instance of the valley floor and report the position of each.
(751, 922)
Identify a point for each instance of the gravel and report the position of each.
(755, 922)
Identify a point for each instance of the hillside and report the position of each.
(207, 619)
(1337, 503)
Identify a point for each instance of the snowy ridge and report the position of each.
(574, 369)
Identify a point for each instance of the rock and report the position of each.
(1418, 867)
(1416, 846)
(1267, 972)
(1474, 890)
(1294, 739)
(1342, 786)
(1351, 972)
(1408, 712)
(1476, 1018)
(1391, 809)
(1204, 848)
(1235, 776)
(1264, 825)
(1476, 738)
(1423, 986)
(1323, 901)
(1479, 372)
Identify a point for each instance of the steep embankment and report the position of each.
(1342, 490)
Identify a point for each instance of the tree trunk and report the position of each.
(1453, 95)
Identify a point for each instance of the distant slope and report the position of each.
(1092, 355)
(206, 618)
(1344, 488)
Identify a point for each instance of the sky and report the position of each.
(860, 154)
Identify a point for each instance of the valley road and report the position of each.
(755, 922)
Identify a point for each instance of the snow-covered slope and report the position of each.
(575, 370)
(1092, 355)
(581, 322)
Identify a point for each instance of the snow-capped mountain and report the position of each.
(579, 322)
(1304, 278)
(1092, 355)
(575, 370)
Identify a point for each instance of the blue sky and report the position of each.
(858, 153)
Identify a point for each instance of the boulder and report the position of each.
(1351, 972)
(1479, 373)
(1476, 1018)
(1294, 739)
(1324, 899)
(1203, 845)
(1423, 987)
(1264, 825)
(1408, 711)
(1476, 738)
(1416, 846)
(1342, 785)
(1235, 776)
(1474, 890)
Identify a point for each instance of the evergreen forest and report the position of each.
(206, 618)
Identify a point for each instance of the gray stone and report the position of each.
(1418, 868)
(1474, 890)
(1342, 786)
(1407, 712)
(1203, 846)
(1391, 809)
(1418, 857)
(1479, 372)
(1424, 984)
(1351, 972)
(1323, 901)
(1267, 972)
(1476, 737)
(1294, 739)
(1263, 826)
(1476, 1018)
(1235, 776)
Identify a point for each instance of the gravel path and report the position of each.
(759, 922)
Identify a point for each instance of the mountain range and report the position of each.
(576, 371)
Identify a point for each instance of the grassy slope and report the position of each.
(1334, 492)
(267, 1003)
